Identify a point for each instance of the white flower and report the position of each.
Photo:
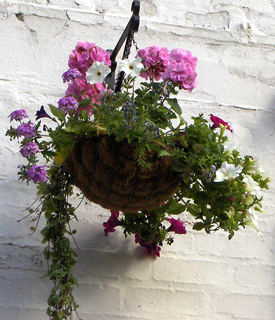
(252, 186)
(227, 171)
(97, 72)
(257, 166)
(252, 220)
(131, 66)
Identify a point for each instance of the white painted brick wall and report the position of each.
(200, 277)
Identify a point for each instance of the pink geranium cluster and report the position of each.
(155, 59)
(85, 54)
(178, 66)
(81, 59)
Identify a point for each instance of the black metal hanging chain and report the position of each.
(128, 35)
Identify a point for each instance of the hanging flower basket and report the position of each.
(123, 151)
(108, 174)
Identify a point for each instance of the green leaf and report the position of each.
(194, 209)
(163, 153)
(57, 113)
(198, 226)
(84, 103)
(174, 207)
(175, 105)
(84, 114)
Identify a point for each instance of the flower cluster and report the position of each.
(178, 66)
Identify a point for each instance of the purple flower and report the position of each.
(37, 174)
(71, 74)
(217, 121)
(18, 115)
(111, 223)
(29, 149)
(26, 129)
(42, 114)
(176, 226)
(67, 104)
(152, 247)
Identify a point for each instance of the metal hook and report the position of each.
(131, 28)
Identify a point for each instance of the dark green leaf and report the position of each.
(175, 105)
(198, 226)
(57, 113)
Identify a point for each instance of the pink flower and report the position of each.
(85, 54)
(181, 69)
(155, 59)
(176, 226)
(100, 55)
(79, 56)
(83, 90)
(217, 121)
(152, 247)
(113, 222)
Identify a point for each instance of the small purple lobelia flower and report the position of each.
(152, 247)
(37, 174)
(26, 130)
(29, 149)
(18, 115)
(111, 223)
(42, 114)
(71, 74)
(67, 104)
(176, 226)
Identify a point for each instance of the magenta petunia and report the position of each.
(217, 121)
(26, 130)
(18, 115)
(176, 226)
(30, 148)
(37, 174)
(152, 247)
(113, 222)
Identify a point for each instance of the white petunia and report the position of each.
(257, 166)
(131, 66)
(97, 72)
(227, 171)
(252, 186)
(252, 220)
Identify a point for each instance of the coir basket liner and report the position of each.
(107, 173)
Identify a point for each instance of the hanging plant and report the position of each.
(124, 151)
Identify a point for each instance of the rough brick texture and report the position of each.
(201, 276)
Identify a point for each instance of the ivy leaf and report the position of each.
(175, 105)
(57, 113)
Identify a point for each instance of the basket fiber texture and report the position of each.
(107, 173)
